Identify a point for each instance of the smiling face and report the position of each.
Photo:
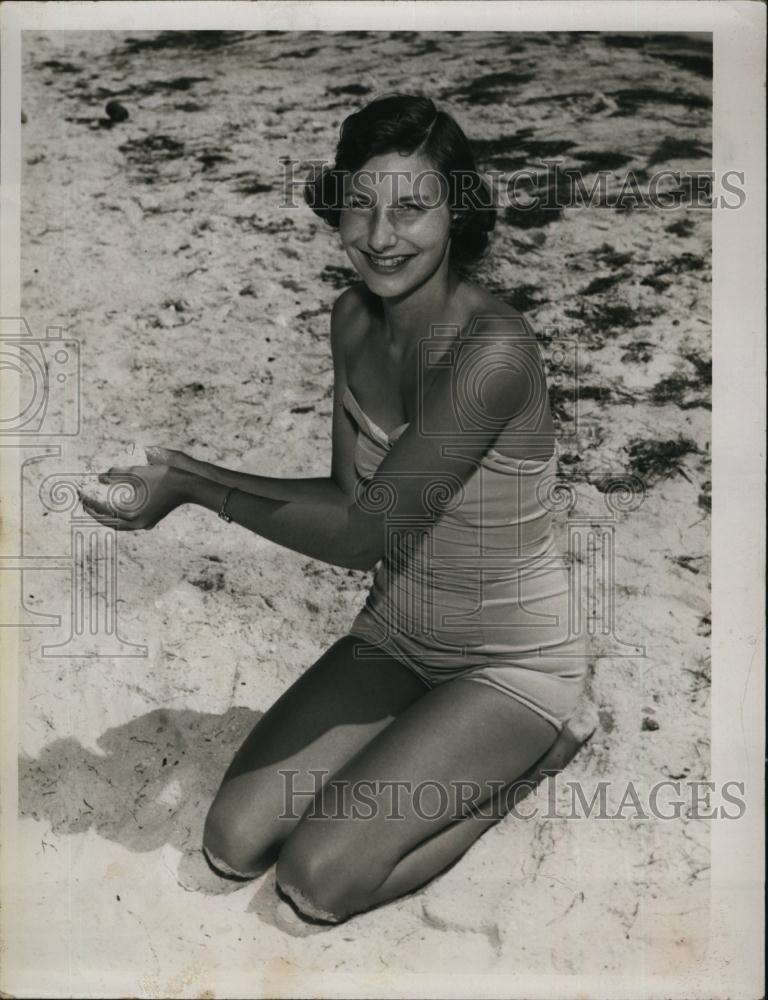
(395, 223)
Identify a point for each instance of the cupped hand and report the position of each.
(158, 455)
(141, 496)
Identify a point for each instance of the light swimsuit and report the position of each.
(481, 592)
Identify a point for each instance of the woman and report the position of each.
(455, 681)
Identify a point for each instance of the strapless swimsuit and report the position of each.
(482, 593)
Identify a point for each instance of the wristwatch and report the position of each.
(223, 509)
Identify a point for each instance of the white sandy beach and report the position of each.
(201, 307)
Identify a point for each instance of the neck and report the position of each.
(407, 317)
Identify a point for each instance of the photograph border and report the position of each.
(734, 967)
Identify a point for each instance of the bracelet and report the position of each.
(222, 510)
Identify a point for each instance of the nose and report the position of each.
(381, 235)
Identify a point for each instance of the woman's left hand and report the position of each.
(142, 495)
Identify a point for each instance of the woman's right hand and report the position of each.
(157, 455)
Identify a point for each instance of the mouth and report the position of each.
(386, 265)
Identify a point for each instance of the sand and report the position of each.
(201, 307)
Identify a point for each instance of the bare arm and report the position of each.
(417, 476)
(320, 489)
(313, 528)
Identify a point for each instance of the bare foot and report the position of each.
(571, 738)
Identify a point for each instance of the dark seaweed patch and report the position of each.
(59, 67)
(644, 39)
(177, 85)
(680, 264)
(673, 389)
(252, 185)
(190, 389)
(703, 367)
(545, 205)
(705, 497)
(599, 285)
(145, 154)
(609, 319)
(683, 51)
(639, 351)
(687, 562)
(256, 224)
(339, 277)
(213, 581)
(630, 99)
(673, 148)
(210, 158)
(600, 393)
(560, 403)
(541, 149)
(488, 89)
(534, 217)
(522, 298)
(309, 314)
(610, 256)
(517, 150)
(699, 64)
(595, 161)
(426, 49)
(153, 147)
(205, 40)
(352, 89)
(505, 153)
(657, 284)
(90, 120)
(300, 53)
(683, 227)
(655, 459)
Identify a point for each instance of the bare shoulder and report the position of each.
(354, 304)
(490, 315)
(350, 316)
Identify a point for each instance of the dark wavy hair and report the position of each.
(406, 124)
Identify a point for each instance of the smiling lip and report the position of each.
(388, 264)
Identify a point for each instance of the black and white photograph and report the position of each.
(382, 460)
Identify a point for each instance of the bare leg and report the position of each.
(336, 707)
(444, 849)
(336, 863)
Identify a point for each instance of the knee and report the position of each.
(322, 880)
(309, 883)
(230, 845)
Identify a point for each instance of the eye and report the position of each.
(359, 203)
